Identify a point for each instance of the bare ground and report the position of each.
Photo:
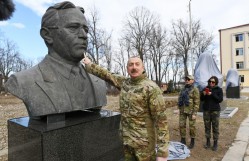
(11, 107)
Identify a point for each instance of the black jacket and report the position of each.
(212, 102)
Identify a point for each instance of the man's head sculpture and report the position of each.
(59, 83)
(64, 30)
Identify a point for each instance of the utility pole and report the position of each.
(190, 45)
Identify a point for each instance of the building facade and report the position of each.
(234, 51)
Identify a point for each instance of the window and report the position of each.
(238, 37)
(241, 78)
(239, 65)
(239, 51)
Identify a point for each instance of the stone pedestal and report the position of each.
(233, 92)
(83, 136)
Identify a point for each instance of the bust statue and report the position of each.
(60, 83)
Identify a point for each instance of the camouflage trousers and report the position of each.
(141, 154)
(211, 121)
(182, 125)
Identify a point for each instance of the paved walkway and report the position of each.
(239, 151)
(239, 148)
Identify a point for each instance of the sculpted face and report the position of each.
(135, 67)
(70, 39)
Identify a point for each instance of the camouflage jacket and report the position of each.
(194, 101)
(143, 110)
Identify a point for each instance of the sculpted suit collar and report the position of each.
(43, 90)
(52, 86)
(64, 69)
(52, 70)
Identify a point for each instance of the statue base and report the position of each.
(233, 92)
(83, 136)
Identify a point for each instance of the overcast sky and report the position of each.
(23, 28)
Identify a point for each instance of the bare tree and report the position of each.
(10, 60)
(176, 67)
(97, 37)
(203, 43)
(121, 58)
(137, 27)
(22, 64)
(107, 52)
(181, 40)
(159, 53)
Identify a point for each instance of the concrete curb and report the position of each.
(246, 157)
(238, 149)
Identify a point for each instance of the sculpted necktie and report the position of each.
(78, 80)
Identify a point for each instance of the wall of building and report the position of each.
(228, 47)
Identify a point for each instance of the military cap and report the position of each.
(190, 77)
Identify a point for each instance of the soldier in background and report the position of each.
(143, 112)
(188, 104)
(212, 96)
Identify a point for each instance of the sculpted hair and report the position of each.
(51, 16)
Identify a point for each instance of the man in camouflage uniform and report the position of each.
(188, 104)
(143, 112)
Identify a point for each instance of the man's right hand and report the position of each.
(86, 61)
(161, 159)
